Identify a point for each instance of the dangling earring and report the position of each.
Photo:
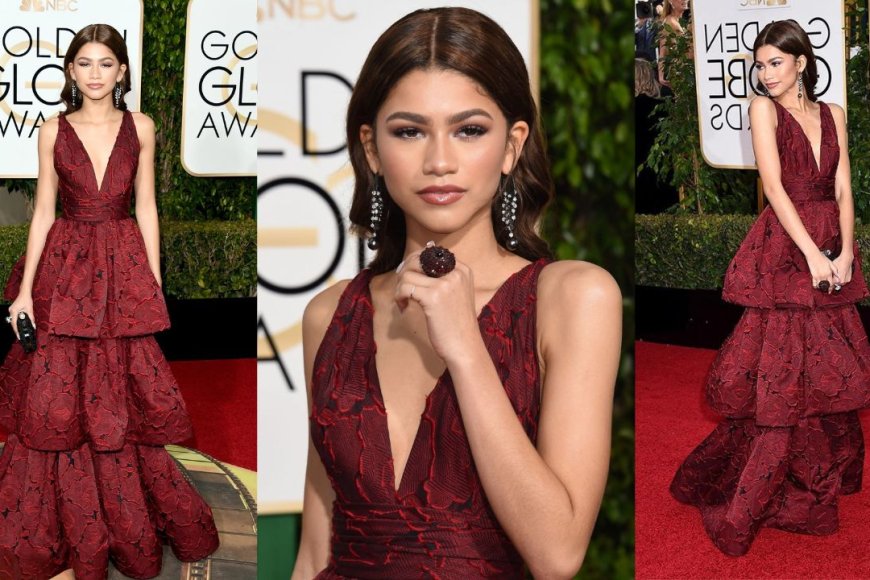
(117, 95)
(377, 213)
(800, 85)
(509, 212)
(74, 93)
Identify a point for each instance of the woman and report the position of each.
(84, 477)
(460, 425)
(797, 366)
(671, 26)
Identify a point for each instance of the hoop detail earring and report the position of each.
(800, 85)
(377, 214)
(117, 95)
(509, 200)
(74, 94)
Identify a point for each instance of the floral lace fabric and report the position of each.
(790, 377)
(83, 476)
(438, 524)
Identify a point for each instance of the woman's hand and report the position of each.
(23, 303)
(822, 269)
(843, 266)
(447, 303)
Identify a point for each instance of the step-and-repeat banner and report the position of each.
(34, 36)
(219, 119)
(724, 32)
(313, 51)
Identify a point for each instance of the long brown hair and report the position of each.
(465, 41)
(788, 37)
(112, 39)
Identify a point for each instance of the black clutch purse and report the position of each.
(824, 285)
(26, 332)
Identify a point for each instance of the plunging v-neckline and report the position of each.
(99, 184)
(398, 483)
(818, 161)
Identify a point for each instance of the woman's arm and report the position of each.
(546, 498)
(43, 218)
(762, 119)
(146, 201)
(313, 553)
(843, 191)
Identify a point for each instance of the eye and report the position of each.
(407, 132)
(470, 131)
(759, 66)
(84, 63)
(107, 65)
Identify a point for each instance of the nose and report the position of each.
(440, 156)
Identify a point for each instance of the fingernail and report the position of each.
(400, 266)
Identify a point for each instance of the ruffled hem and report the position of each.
(769, 271)
(94, 281)
(780, 366)
(744, 477)
(107, 392)
(80, 508)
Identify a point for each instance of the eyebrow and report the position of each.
(423, 120)
(768, 60)
(89, 59)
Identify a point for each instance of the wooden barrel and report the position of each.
(235, 514)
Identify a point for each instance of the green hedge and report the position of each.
(199, 259)
(693, 252)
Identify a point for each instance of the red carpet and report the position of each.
(671, 418)
(221, 397)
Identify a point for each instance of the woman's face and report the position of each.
(442, 145)
(778, 70)
(96, 69)
(679, 5)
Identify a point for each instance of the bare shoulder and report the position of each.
(762, 113)
(578, 285)
(144, 127)
(319, 311)
(143, 122)
(762, 105)
(48, 131)
(838, 114)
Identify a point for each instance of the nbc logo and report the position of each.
(48, 5)
(32, 6)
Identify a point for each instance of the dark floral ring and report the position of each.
(437, 261)
(824, 285)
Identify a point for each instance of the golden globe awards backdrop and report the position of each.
(34, 36)
(219, 118)
(724, 32)
(314, 50)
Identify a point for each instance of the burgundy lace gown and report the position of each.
(83, 476)
(791, 375)
(438, 524)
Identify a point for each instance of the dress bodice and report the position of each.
(802, 178)
(81, 197)
(438, 522)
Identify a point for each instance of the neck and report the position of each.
(96, 110)
(790, 100)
